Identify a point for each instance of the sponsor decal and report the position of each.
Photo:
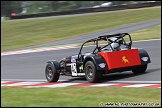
(144, 58)
(102, 65)
(81, 68)
(124, 59)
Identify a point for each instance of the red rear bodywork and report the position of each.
(121, 59)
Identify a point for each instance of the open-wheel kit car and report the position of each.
(109, 54)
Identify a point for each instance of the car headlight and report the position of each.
(144, 58)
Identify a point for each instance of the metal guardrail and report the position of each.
(90, 10)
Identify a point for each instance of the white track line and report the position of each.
(139, 85)
(56, 85)
(102, 85)
(27, 80)
(59, 84)
(150, 82)
(21, 83)
(35, 50)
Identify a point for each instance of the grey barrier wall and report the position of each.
(90, 10)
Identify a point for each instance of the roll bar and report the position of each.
(106, 38)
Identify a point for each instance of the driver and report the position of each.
(115, 45)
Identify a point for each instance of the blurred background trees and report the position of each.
(32, 7)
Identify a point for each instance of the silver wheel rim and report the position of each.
(49, 72)
(89, 72)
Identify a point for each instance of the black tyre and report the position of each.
(139, 69)
(51, 74)
(92, 75)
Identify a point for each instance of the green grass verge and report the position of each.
(149, 33)
(21, 33)
(77, 96)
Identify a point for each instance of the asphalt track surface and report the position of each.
(31, 66)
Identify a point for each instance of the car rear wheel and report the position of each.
(139, 69)
(51, 74)
(91, 73)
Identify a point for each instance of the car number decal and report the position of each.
(73, 69)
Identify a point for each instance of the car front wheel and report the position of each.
(139, 69)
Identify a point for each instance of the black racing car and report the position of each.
(109, 54)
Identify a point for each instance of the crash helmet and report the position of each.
(115, 45)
